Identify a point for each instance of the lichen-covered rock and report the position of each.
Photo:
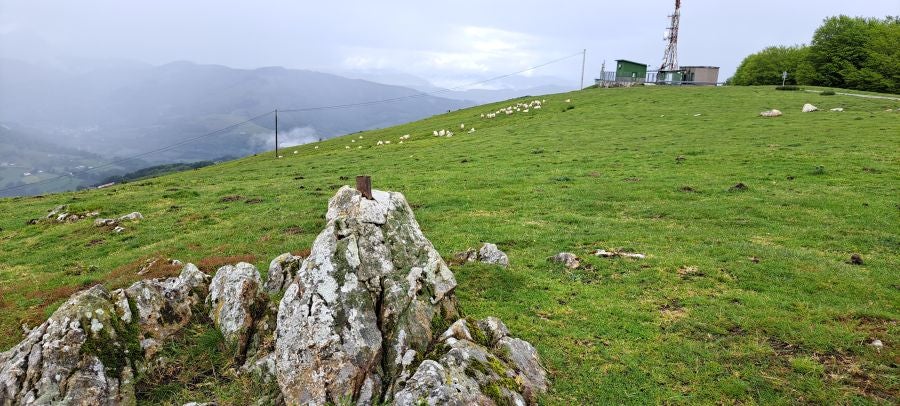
(233, 300)
(282, 272)
(490, 254)
(361, 310)
(477, 368)
(469, 255)
(83, 354)
(164, 306)
(568, 259)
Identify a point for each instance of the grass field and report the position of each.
(746, 296)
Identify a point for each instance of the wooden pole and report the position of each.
(276, 133)
(583, 57)
(364, 186)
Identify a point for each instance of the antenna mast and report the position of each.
(670, 58)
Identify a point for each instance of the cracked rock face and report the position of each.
(359, 314)
(491, 368)
(164, 306)
(282, 272)
(233, 299)
(82, 354)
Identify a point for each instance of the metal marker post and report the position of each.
(783, 78)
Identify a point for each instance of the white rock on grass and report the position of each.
(132, 216)
(771, 113)
(490, 254)
(568, 259)
(809, 108)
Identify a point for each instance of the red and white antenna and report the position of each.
(670, 58)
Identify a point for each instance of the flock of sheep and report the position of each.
(508, 110)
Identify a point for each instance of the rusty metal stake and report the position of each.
(364, 186)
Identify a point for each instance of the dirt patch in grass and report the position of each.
(96, 241)
(231, 198)
(254, 200)
(293, 230)
(212, 264)
(149, 267)
(304, 253)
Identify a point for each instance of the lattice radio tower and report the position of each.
(670, 58)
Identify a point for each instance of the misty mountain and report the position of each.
(493, 91)
(121, 109)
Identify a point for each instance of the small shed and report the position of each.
(701, 75)
(630, 71)
(670, 77)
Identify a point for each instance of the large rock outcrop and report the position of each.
(371, 317)
(361, 310)
(83, 354)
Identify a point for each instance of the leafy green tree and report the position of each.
(765, 67)
(857, 53)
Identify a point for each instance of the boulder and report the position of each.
(361, 310)
(105, 223)
(83, 354)
(233, 300)
(837, 109)
(568, 259)
(469, 255)
(490, 254)
(491, 368)
(164, 306)
(282, 271)
(132, 216)
(771, 113)
(809, 108)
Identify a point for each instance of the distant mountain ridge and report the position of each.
(114, 110)
(129, 108)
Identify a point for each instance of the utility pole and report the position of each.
(276, 133)
(583, 57)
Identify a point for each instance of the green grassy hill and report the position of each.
(746, 296)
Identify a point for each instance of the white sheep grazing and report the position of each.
(346, 147)
(317, 147)
(482, 115)
(360, 137)
(462, 126)
(442, 133)
(387, 142)
(352, 140)
(568, 100)
(471, 130)
(400, 142)
(449, 133)
(295, 152)
(359, 147)
(435, 133)
(380, 143)
(538, 107)
(525, 111)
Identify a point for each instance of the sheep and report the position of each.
(482, 115)
(317, 147)
(568, 100)
(462, 126)
(471, 130)
(435, 133)
(346, 147)
(352, 140)
(380, 143)
(442, 133)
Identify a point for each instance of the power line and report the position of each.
(423, 94)
(116, 162)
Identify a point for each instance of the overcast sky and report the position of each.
(449, 42)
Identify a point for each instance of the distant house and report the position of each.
(630, 71)
(701, 75)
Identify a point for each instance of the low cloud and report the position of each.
(290, 138)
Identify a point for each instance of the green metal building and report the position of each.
(630, 71)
